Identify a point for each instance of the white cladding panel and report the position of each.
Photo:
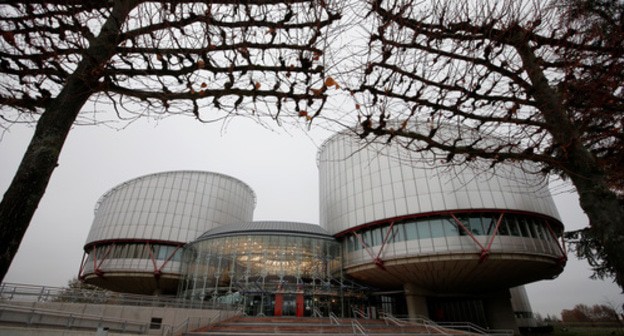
(171, 206)
(362, 183)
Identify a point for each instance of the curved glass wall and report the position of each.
(479, 224)
(521, 233)
(134, 250)
(267, 274)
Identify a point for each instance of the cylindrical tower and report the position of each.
(135, 241)
(407, 221)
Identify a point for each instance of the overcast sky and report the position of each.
(279, 165)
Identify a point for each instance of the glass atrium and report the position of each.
(271, 268)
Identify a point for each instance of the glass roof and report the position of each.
(267, 227)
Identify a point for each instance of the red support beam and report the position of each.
(486, 253)
(169, 258)
(82, 265)
(97, 266)
(468, 232)
(563, 259)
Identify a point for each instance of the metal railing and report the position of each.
(316, 312)
(473, 328)
(20, 304)
(390, 319)
(420, 321)
(333, 319)
(358, 329)
(52, 318)
(11, 292)
(358, 312)
(442, 327)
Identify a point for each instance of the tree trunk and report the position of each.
(599, 202)
(606, 217)
(33, 174)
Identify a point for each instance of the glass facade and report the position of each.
(479, 224)
(267, 273)
(135, 250)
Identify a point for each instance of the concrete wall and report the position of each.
(80, 315)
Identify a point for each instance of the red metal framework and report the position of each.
(563, 259)
(376, 259)
(109, 245)
(485, 251)
(440, 213)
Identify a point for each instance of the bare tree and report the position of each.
(508, 81)
(207, 59)
(595, 313)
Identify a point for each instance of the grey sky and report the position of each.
(280, 166)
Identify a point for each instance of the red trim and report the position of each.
(109, 244)
(563, 259)
(82, 265)
(468, 232)
(385, 240)
(485, 254)
(364, 245)
(485, 251)
(151, 254)
(442, 213)
(299, 303)
(169, 258)
(279, 302)
(377, 260)
(97, 267)
(89, 245)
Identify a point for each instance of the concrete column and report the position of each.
(416, 301)
(499, 312)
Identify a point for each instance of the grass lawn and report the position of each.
(587, 331)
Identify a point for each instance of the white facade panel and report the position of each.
(172, 206)
(394, 183)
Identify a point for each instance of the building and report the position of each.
(271, 268)
(397, 234)
(140, 226)
(449, 241)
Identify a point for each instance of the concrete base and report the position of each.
(416, 301)
(43, 316)
(499, 312)
(27, 331)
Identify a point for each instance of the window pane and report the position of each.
(464, 222)
(450, 228)
(398, 232)
(489, 224)
(503, 229)
(524, 230)
(423, 229)
(367, 238)
(376, 236)
(437, 227)
(410, 231)
(513, 226)
(474, 225)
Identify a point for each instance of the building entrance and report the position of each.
(289, 304)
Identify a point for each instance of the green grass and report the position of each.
(588, 331)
